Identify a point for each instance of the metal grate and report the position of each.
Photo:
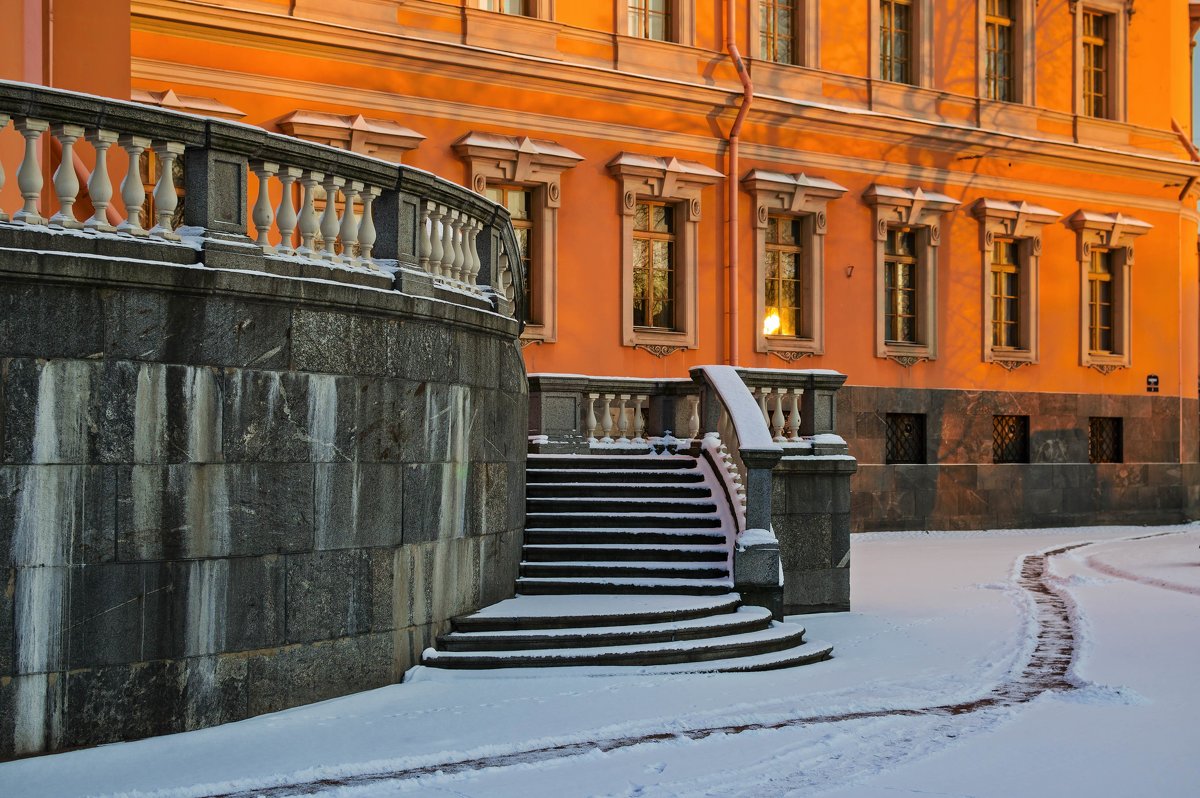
(1104, 440)
(905, 438)
(1010, 439)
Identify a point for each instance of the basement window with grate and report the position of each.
(1104, 440)
(1010, 439)
(905, 438)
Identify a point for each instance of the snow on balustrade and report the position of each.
(306, 204)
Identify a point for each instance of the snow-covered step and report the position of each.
(620, 506)
(689, 570)
(554, 612)
(614, 475)
(641, 520)
(618, 490)
(572, 535)
(776, 637)
(612, 552)
(692, 587)
(745, 619)
(592, 461)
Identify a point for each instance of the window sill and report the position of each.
(905, 354)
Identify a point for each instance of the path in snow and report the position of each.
(1046, 669)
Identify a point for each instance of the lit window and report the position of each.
(785, 289)
(1006, 295)
(650, 19)
(895, 40)
(900, 291)
(1001, 62)
(1095, 64)
(654, 265)
(777, 30)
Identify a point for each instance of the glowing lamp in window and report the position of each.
(771, 323)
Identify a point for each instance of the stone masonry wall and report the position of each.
(223, 494)
(960, 487)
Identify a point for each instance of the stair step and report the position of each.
(616, 490)
(560, 612)
(643, 552)
(745, 619)
(618, 507)
(604, 461)
(570, 535)
(614, 475)
(531, 585)
(638, 520)
(776, 637)
(643, 570)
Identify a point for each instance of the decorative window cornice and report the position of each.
(913, 207)
(516, 160)
(1011, 220)
(202, 106)
(1108, 230)
(775, 192)
(661, 178)
(379, 138)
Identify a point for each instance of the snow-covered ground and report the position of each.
(937, 687)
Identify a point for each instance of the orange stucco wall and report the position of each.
(409, 63)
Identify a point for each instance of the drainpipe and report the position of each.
(731, 235)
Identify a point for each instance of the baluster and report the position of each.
(473, 264)
(777, 419)
(622, 419)
(29, 175)
(133, 193)
(348, 231)
(592, 423)
(762, 405)
(428, 239)
(261, 213)
(693, 417)
(457, 270)
(3, 124)
(795, 421)
(639, 423)
(366, 230)
(329, 220)
(506, 278)
(308, 214)
(437, 213)
(100, 188)
(606, 418)
(285, 215)
(66, 183)
(446, 267)
(165, 198)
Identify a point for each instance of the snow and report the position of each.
(940, 619)
(744, 412)
(756, 537)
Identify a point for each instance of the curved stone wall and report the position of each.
(224, 493)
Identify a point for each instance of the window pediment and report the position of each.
(661, 178)
(516, 160)
(915, 207)
(1109, 230)
(795, 193)
(1011, 220)
(379, 138)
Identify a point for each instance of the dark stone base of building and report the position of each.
(960, 487)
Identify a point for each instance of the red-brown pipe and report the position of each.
(731, 179)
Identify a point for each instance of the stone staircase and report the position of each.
(626, 563)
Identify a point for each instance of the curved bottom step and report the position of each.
(593, 609)
(806, 654)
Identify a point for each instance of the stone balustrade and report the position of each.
(245, 198)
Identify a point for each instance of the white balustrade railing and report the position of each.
(449, 247)
(100, 189)
(780, 409)
(611, 417)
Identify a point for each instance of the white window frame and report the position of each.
(806, 198)
(681, 183)
(1023, 223)
(923, 211)
(1118, 55)
(537, 164)
(1116, 233)
(1024, 55)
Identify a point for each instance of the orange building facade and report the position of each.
(982, 211)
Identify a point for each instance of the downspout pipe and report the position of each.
(731, 180)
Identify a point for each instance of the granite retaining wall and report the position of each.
(224, 493)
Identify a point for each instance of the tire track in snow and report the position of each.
(1046, 670)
